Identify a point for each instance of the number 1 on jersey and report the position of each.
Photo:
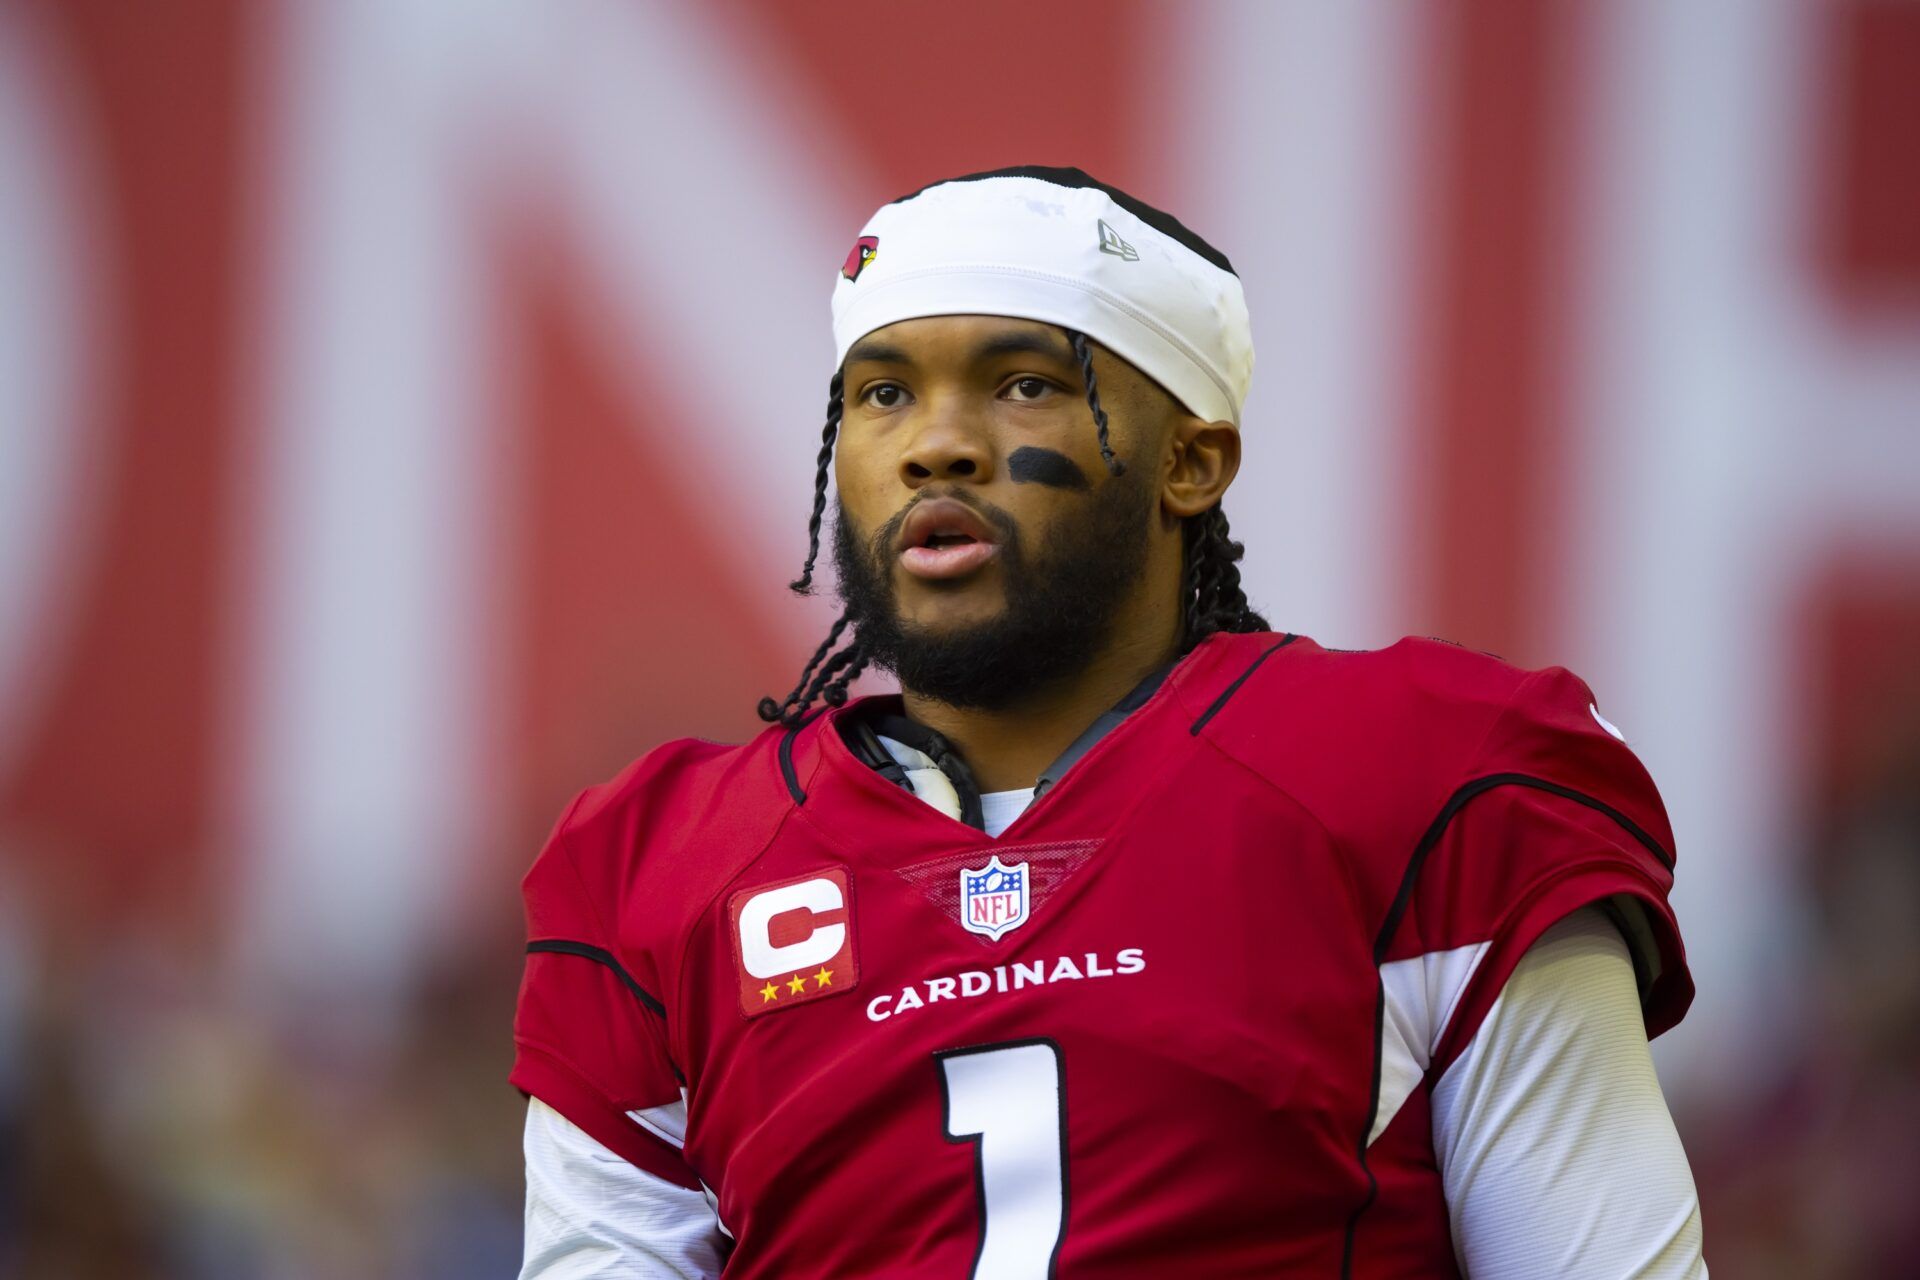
(1008, 1100)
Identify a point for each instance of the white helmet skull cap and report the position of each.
(1056, 246)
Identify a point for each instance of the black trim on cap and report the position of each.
(1234, 688)
(1165, 223)
(1403, 898)
(559, 946)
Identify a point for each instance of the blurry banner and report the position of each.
(459, 427)
(1866, 186)
(111, 770)
(1497, 178)
(409, 409)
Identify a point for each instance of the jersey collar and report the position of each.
(843, 790)
(921, 760)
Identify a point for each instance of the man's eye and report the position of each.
(885, 395)
(1029, 388)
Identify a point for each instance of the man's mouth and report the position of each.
(948, 561)
(943, 538)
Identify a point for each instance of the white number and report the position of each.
(1006, 1099)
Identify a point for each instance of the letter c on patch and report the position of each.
(761, 957)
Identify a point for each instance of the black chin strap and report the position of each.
(864, 733)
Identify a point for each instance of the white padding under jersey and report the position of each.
(998, 809)
(593, 1216)
(1555, 1146)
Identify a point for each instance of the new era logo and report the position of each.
(1110, 242)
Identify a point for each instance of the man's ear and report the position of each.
(1206, 457)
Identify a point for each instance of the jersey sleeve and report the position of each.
(589, 1040)
(1552, 813)
(1556, 1150)
(589, 1212)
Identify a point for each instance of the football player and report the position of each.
(1132, 938)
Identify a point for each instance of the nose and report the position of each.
(947, 447)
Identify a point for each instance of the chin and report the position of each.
(952, 611)
(919, 602)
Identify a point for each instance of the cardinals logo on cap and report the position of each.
(863, 250)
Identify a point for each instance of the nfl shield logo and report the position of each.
(993, 898)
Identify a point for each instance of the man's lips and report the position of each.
(943, 538)
(947, 562)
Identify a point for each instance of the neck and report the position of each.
(1008, 747)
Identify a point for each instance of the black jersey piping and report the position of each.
(1234, 688)
(786, 757)
(599, 955)
(1160, 220)
(1373, 1183)
(1403, 898)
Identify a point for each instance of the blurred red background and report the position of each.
(406, 417)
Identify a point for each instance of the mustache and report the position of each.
(887, 535)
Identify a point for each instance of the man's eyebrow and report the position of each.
(877, 352)
(1021, 342)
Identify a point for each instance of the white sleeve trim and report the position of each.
(592, 1215)
(667, 1123)
(1555, 1146)
(1420, 995)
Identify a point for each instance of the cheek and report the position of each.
(864, 483)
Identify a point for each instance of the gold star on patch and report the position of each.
(769, 992)
(824, 978)
(797, 984)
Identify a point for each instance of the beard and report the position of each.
(1064, 597)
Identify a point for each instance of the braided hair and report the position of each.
(1210, 580)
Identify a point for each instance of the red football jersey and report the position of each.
(1140, 1033)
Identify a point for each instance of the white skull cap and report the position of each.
(1056, 246)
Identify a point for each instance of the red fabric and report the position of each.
(1206, 976)
(1517, 857)
(584, 1042)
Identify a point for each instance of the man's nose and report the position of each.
(948, 446)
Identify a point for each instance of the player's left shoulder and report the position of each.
(1383, 739)
(1489, 709)
(1442, 696)
(1543, 724)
